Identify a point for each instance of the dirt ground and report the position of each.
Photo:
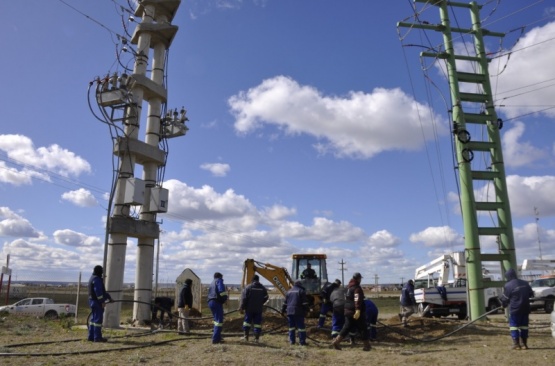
(28, 341)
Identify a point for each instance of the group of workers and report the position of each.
(352, 313)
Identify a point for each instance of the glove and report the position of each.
(357, 315)
(242, 311)
(186, 307)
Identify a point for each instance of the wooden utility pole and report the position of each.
(342, 269)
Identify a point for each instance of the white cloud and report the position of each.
(81, 197)
(13, 225)
(442, 236)
(18, 177)
(279, 212)
(74, 239)
(516, 153)
(532, 240)
(359, 125)
(522, 85)
(383, 239)
(525, 193)
(52, 159)
(323, 230)
(205, 203)
(217, 169)
(41, 255)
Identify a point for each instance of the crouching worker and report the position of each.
(163, 305)
(98, 298)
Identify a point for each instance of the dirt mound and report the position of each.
(388, 330)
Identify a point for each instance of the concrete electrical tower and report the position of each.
(137, 201)
(464, 107)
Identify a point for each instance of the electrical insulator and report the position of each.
(105, 83)
(114, 81)
(183, 116)
(123, 81)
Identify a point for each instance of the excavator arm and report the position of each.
(278, 276)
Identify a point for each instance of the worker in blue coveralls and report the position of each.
(337, 299)
(98, 298)
(253, 298)
(326, 306)
(217, 297)
(371, 318)
(408, 302)
(516, 296)
(296, 306)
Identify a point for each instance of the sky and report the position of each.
(314, 127)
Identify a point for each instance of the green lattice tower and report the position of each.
(467, 146)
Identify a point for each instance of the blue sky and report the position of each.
(314, 127)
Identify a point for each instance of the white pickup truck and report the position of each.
(39, 307)
(451, 300)
(544, 293)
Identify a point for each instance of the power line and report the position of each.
(91, 19)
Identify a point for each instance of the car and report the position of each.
(544, 293)
(39, 307)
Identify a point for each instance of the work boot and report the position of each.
(516, 344)
(405, 322)
(337, 342)
(352, 341)
(246, 336)
(525, 343)
(367, 346)
(400, 317)
(256, 338)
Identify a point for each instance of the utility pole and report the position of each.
(6, 270)
(472, 174)
(537, 213)
(376, 284)
(123, 96)
(342, 269)
(402, 281)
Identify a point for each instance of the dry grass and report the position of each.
(424, 342)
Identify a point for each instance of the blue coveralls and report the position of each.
(253, 299)
(337, 299)
(97, 297)
(516, 295)
(217, 296)
(296, 305)
(326, 306)
(371, 318)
